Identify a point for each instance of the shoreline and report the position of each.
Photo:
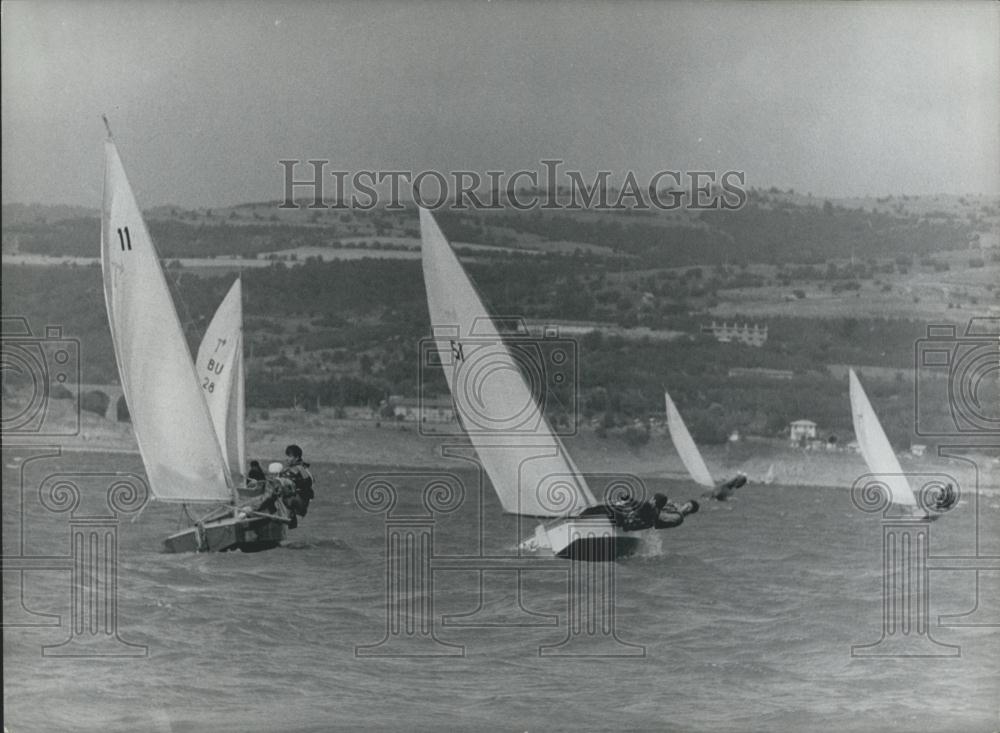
(401, 445)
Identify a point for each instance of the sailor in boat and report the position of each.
(297, 471)
(723, 490)
(256, 483)
(660, 513)
(256, 473)
(276, 491)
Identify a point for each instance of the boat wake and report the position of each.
(316, 545)
(651, 545)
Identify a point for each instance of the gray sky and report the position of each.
(204, 98)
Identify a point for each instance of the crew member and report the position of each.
(297, 471)
(945, 499)
(256, 473)
(277, 486)
(722, 491)
(659, 513)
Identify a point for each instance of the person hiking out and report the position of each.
(660, 513)
(723, 490)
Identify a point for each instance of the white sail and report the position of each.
(875, 447)
(685, 445)
(527, 464)
(220, 374)
(169, 415)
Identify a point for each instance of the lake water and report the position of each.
(742, 619)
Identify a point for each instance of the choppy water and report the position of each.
(745, 617)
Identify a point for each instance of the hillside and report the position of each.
(346, 332)
(774, 227)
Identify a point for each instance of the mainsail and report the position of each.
(685, 445)
(875, 447)
(169, 415)
(220, 374)
(527, 464)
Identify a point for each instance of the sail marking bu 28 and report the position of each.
(221, 377)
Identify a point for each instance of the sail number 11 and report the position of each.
(124, 239)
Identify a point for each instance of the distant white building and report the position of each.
(800, 430)
(753, 335)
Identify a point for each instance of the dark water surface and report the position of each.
(742, 619)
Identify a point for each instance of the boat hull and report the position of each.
(584, 539)
(229, 533)
(600, 549)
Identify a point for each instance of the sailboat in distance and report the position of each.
(173, 426)
(686, 447)
(526, 462)
(877, 451)
(691, 457)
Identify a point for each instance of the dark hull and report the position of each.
(600, 549)
(253, 534)
(589, 538)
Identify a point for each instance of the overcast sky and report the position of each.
(205, 98)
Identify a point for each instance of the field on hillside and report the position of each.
(335, 310)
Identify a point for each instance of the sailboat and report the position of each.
(527, 464)
(691, 457)
(686, 447)
(221, 377)
(877, 451)
(173, 426)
